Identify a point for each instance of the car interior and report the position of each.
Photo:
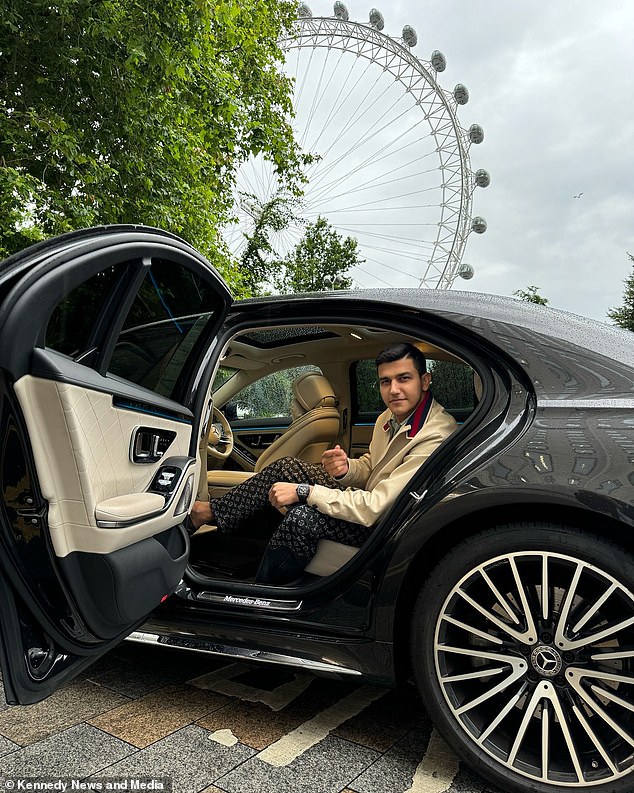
(296, 391)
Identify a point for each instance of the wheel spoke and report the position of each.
(528, 615)
(593, 737)
(594, 638)
(470, 629)
(499, 597)
(594, 608)
(512, 703)
(526, 636)
(560, 637)
(574, 677)
(515, 675)
(496, 670)
(545, 741)
(545, 590)
(563, 725)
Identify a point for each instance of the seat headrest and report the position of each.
(311, 390)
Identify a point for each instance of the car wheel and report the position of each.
(523, 651)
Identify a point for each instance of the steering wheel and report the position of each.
(220, 438)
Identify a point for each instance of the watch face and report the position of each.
(302, 492)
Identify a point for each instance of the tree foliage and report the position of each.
(259, 261)
(452, 383)
(268, 397)
(623, 316)
(121, 111)
(319, 261)
(531, 295)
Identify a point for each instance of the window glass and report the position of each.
(169, 314)
(71, 324)
(223, 375)
(368, 394)
(452, 386)
(269, 397)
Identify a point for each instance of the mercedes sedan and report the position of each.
(501, 581)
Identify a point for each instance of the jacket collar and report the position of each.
(418, 417)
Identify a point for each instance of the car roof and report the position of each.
(486, 314)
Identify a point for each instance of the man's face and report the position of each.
(402, 387)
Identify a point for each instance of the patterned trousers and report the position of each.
(296, 534)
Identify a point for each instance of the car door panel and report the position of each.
(81, 447)
(102, 339)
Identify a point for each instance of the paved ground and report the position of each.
(148, 718)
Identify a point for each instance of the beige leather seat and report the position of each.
(314, 428)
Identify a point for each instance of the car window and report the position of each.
(268, 397)
(223, 375)
(452, 387)
(71, 326)
(168, 316)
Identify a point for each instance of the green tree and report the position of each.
(259, 260)
(452, 383)
(531, 295)
(624, 315)
(320, 260)
(126, 112)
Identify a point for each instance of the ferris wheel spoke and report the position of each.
(318, 97)
(375, 184)
(373, 132)
(375, 159)
(340, 102)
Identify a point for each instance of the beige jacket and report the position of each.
(375, 480)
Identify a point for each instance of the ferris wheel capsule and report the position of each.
(482, 178)
(479, 225)
(341, 12)
(466, 271)
(376, 19)
(409, 36)
(461, 94)
(476, 133)
(438, 61)
(304, 11)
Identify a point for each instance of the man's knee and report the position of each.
(301, 519)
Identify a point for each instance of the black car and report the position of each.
(501, 581)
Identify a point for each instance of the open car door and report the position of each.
(105, 347)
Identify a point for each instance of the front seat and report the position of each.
(314, 428)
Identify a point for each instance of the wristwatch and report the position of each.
(303, 491)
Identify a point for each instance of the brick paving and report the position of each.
(197, 723)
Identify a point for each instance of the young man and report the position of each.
(342, 498)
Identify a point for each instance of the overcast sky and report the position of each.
(552, 86)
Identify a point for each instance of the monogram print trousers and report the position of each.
(303, 526)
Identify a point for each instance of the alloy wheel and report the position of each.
(534, 654)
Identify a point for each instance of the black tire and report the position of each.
(500, 688)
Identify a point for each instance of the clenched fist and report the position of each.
(283, 494)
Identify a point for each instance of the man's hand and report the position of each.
(335, 461)
(201, 514)
(283, 494)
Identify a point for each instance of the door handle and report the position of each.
(149, 444)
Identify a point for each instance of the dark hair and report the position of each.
(404, 350)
